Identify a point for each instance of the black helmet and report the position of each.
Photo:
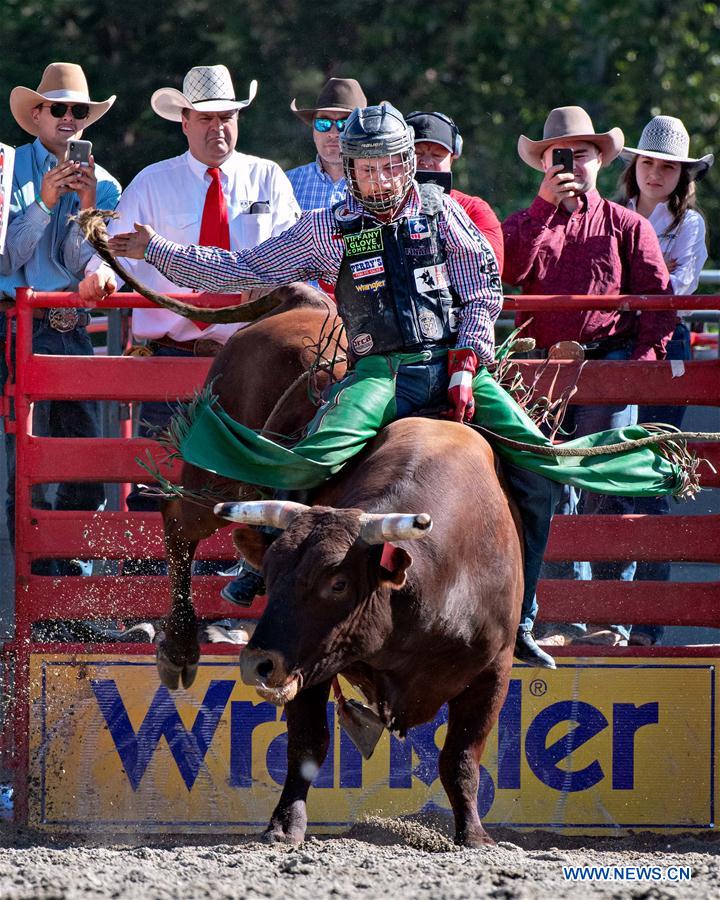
(373, 132)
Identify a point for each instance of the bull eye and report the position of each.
(339, 584)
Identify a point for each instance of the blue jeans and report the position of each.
(677, 348)
(423, 386)
(55, 418)
(579, 421)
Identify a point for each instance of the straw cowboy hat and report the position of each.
(205, 89)
(571, 122)
(665, 137)
(61, 82)
(338, 95)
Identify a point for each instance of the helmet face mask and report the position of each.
(378, 153)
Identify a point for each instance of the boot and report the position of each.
(242, 590)
(526, 650)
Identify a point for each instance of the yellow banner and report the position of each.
(598, 745)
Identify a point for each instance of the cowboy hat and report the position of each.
(573, 123)
(665, 137)
(61, 82)
(338, 95)
(205, 89)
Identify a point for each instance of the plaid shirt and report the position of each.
(314, 188)
(313, 249)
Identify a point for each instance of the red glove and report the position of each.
(462, 366)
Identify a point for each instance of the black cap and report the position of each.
(437, 128)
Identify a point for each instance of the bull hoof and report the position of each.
(173, 673)
(275, 835)
(477, 839)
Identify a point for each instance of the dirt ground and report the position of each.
(404, 858)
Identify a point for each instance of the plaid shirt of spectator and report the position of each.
(313, 248)
(314, 188)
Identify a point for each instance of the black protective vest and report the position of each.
(392, 290)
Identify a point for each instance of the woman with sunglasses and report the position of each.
(659, 184)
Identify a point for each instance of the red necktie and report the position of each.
(215, 226)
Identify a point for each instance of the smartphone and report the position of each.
(442, 179)
(563, 156)
(79, 151)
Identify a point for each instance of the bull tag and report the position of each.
(566, 350)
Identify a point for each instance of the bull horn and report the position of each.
(376, 528)
(92, 224)
(277, 513)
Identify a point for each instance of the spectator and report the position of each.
(572, 241)
(45, 250)
(212, 194)
(659, 183)
(438, 143)
(321, 183)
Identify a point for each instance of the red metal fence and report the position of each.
(120, 535)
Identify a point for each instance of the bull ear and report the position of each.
(394, 564)
(251, 544)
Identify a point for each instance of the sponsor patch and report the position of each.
(430, 278)
(366, 268)
(362, 344)
(419, 228)
(371, 286)
(429, 325)
(363, 242)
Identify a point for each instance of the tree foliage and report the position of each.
(497, 69)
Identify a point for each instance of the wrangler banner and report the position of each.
(599, 745)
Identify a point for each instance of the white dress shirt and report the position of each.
(170, 197)
(684, 244)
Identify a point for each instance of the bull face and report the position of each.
(328, 577)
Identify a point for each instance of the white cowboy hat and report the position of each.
(665, 137)
(574, 123)
(206, 89)
(61, 83)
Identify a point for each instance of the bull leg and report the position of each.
(308, 741)
(472, 715)
(178, 652)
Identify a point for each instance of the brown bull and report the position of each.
(413, 623)
(258, 378)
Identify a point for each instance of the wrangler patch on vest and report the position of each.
(363, 242)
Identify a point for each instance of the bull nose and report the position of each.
(262, 667)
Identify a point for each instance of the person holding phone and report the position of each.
(45, 250)
(438, 143)
(573, 241)
(659, 183)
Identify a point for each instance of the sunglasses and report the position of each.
(324, 125)
(58, 110)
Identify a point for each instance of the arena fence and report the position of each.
(30, 738)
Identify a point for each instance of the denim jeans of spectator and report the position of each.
(423, 386)
(55, 418)
(677, 348)
(579, 421)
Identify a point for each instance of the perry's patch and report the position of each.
(430, 278)
(429, 325)
(362, 344)
(366, 268)
(419, 228)
(363, 242)
(371, 286)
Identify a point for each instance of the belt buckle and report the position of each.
(63, 318)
